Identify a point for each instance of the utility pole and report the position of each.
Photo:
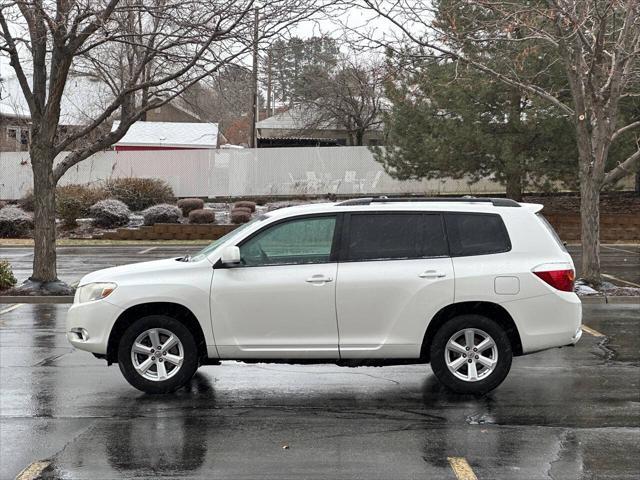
(269, 89)
(254, 116)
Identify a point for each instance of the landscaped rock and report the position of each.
(163, 213)
(15, 223)
(110, 213)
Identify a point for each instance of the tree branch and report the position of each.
(622, 130)
(629, 166)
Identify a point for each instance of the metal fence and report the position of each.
(243, 172)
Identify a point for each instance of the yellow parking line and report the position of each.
(12, 307)
(593, 332)
(461, 468)
(33, 471)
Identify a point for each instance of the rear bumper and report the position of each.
(547, 321)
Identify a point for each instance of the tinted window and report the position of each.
(307, 240)
(476, 234)
(395, 236)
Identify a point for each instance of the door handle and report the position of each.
(319, 279)
(432, 274)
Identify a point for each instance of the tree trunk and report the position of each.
(590, 225)
(44, 195)
(514, 186)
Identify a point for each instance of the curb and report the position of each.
(37, 299)
(613, 299)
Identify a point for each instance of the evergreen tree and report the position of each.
(448, 120)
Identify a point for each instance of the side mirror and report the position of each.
(230, 256)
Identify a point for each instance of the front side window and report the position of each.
(388, 236)
(476, 234)
(298, 241)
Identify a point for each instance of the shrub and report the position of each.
(246, 204)
(2, 204)
(7, 280)
(189, 204)
(163, 213)
(15, 223)
(74, 201)
(241, 209)
(139, 193)
(240, 216)
(202, 216)
(26, 202)
(110, 213)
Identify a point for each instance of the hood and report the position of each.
(114, 274)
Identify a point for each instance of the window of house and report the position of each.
(24, 136)
(12, 133)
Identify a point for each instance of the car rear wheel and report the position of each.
(157, 354)
(471, 354)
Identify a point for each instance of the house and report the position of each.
(83, 100)
(292, 128)
(168, 136)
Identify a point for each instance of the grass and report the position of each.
(72, 242)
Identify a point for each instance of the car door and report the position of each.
(394, 275)
(280, 301)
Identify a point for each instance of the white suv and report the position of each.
(464, 284)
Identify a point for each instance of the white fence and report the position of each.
(243, 172)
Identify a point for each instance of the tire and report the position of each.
(475, 376)
(149, 372)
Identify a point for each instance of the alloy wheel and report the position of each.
(471, 354)
(157, 354)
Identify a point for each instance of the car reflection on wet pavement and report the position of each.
(563, 414)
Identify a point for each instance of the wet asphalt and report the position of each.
(570, 413)
(620, 261)
(563, 414)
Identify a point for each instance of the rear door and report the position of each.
(394, 274)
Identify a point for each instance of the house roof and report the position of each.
(170, 134)
(296, 118)
(83, 99)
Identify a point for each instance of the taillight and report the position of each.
(558, 279)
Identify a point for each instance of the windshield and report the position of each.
(216, 243)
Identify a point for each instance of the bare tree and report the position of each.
(147, 51)
(350, 96)
(597, 42)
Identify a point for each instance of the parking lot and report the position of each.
(570, 413)
(620, 262)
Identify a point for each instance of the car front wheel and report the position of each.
(157, 354)
(471, 354)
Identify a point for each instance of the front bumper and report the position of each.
(89, 325)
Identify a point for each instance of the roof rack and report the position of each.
(497, 202)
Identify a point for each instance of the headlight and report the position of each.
(93, 291)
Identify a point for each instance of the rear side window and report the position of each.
(395, 236)
(476, 234)
(552, 231)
